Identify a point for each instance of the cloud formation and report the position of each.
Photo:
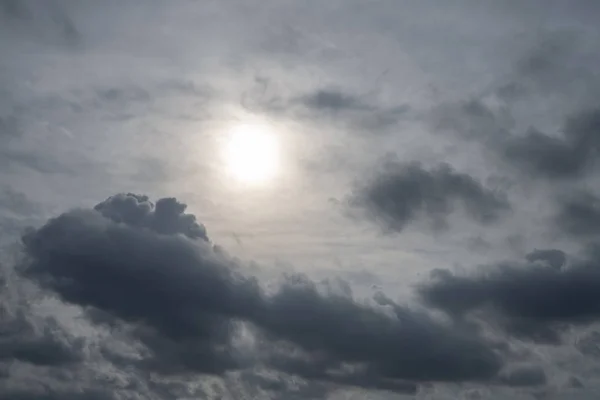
(503, 117)
(531, 300)
(147, 267)
(579, 214)
(558, 157)
(402, 193)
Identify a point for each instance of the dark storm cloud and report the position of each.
(404, 192)
(579, 214)
(184, 298)
(531, 300)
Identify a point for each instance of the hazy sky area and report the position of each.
(297, 200)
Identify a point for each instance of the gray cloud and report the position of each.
(558, 157)
(333, 100)
(556, 74)
(567, 155)
(167, 216)
(40, 342)
(579, 214)
(41, 20)
(184, 300)
(331, 104)
(553, 257)
(531, 300)
(524, 375)
(356, 110)
(404, 192)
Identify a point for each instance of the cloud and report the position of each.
(402, 193)
(147, 268)
(530, 300)
(524, 375)
(553, 257)
(579, 214)
(357, 110)
(550, 65)
(557, 77)
(569, 154)
(167, 216)
(38, 341)
(326, 103)
(333, 100)
(558, 157)
(42, 20)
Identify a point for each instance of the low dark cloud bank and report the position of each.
(535, 300)
(150, 269)
(402, 193)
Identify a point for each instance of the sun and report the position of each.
(252, 154)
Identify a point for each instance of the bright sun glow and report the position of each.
(252, 154)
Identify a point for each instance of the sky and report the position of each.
(342, 200)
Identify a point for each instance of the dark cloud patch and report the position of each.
(163, 282)
(187, 302)
(167, 216)
(333, 100)
(579, 214)
(354, 333)
(40, 342)
(553, 257)
(404, 192)
(558, 73)
(357, 110)
(531, 300)
(567, 156)
(331, 104)
(524, 375)
(29, 338)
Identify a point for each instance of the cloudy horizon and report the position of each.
(299, 200)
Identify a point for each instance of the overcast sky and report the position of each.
(427, 224)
